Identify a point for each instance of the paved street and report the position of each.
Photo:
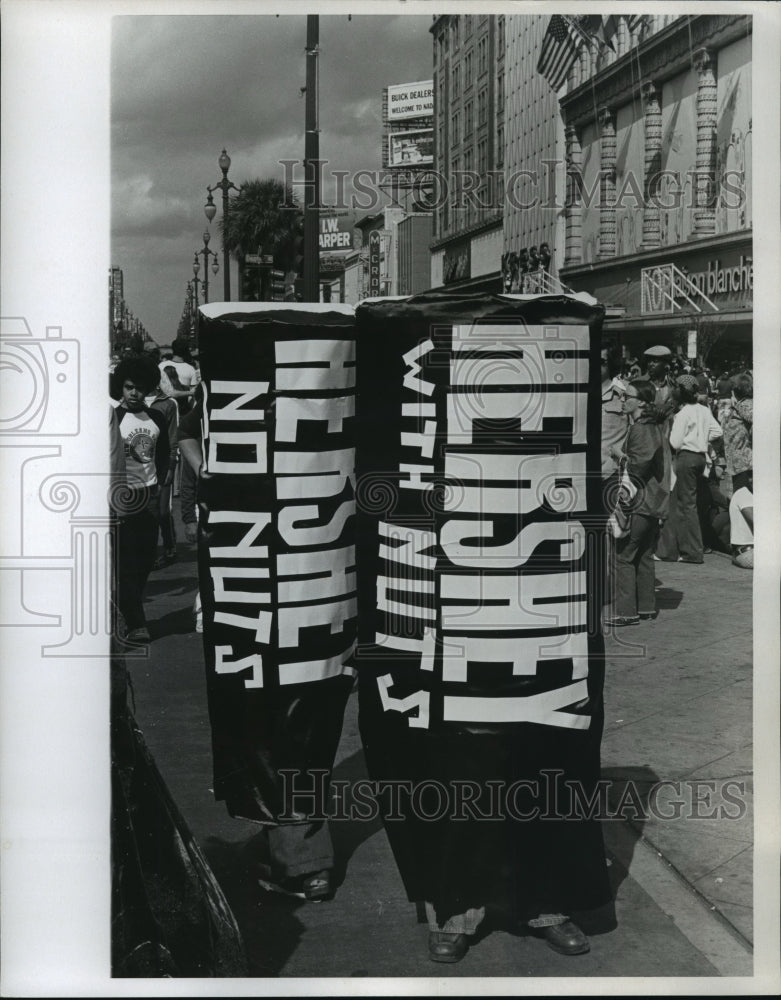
(678, 709)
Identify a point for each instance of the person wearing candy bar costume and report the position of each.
(469, 695)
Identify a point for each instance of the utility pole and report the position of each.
(311, 282)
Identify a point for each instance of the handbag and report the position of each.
(620, 521)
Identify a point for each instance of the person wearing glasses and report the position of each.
(643, 455)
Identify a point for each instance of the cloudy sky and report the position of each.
(183, 87)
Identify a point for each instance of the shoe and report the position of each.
(619, 620)
(447, 947)
(647, 616)
(314, 887)
(693, 562)
(138, 635)
(317, 886)
(566, 939)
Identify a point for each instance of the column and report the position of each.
(653, 164)
(586, 69)
(622, 35)
(705, 208)
(607, 200)
(573, 250)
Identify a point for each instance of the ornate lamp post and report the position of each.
(205, 252)
(211, 209)
(192, 298)
(195, 282)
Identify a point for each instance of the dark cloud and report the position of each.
(184, 87)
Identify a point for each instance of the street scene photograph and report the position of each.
(351, 736)
(410, 560)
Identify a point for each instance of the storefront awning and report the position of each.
(629, 324)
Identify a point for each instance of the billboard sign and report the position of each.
(331, 263)
(411, 100)
(336, 232)
(411, 149)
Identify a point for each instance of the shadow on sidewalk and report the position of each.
(628, 794)
(271, 930)
(668, 599)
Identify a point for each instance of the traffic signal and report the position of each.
(298, 245)
(277, 285)
(250, 285)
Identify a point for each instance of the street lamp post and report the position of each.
(192, 295)
(210, 209)
(196, 301)
(205, 252)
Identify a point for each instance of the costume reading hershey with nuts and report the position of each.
(480, 658)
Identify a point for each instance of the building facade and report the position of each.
(469, 144)
(414, 265)
(534, 163)
(658, 217)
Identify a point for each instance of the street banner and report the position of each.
(480, 658)
(276, 552)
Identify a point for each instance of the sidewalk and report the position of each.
(676, 709)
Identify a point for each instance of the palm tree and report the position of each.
(258, 218)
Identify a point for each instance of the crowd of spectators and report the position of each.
(677, 464)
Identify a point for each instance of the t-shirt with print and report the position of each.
(140, 433)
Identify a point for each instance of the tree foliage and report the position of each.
(258, 221)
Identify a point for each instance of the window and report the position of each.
(499, 145)
(468, 69)
(469, 24)
(455, 29)
(482, 56)
(499, 91)
(455, 81)
(482, 106)
(468, 107)
(455, 130)
(482, 156)
(500, 32)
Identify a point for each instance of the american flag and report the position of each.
(560, 47)
(634, 21)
